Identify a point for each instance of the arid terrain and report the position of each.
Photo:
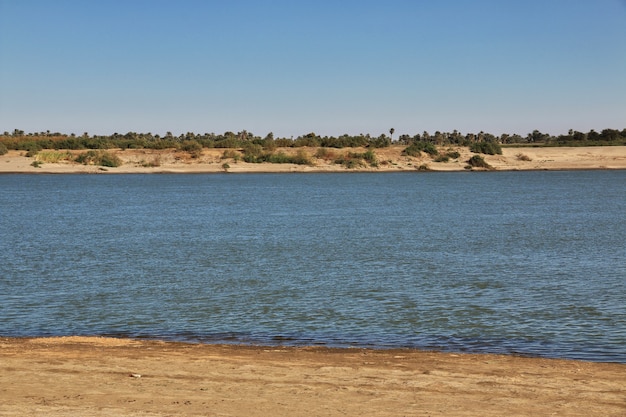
(93, 376)
(389, 159)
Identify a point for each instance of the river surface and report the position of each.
(529, 263)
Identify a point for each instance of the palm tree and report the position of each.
(391, 133)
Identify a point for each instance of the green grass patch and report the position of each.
(53, 157)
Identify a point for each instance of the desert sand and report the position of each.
(94, 376)
(389, 160)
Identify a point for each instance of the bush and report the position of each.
(3, 149)
(489, 148)
(523, 157)
(353, 160)
(370, 157)
(193, 147)
(254, 154)
(416, 148)
(477, 161)
(102, 158)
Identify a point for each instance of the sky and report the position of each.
(325, 66)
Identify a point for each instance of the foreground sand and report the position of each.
(389, 160)
(77, 376)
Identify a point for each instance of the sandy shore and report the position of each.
(78, 376)
(389, 160)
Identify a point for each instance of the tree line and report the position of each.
(33, 142)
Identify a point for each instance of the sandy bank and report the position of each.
(389, 160)
(78, 376)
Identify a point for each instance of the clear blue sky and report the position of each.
(324, 66)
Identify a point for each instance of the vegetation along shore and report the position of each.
(47, 152)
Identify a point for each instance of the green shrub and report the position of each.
(353, 160)
(416, 149)
(442, 158)
(193, 147)
(3, 149)
(102, 158)
(254, 153)
(370, 157)
(277, 158)
(453, 154)
(477, 161)
(489, 148)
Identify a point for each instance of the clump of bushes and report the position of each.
(193, 147)
(447, 156)
(478, 161)
(98, 157)
(254, 153)
(416, 149)
(489, 148)
(3, 149)
(523, 157)
(353, 160)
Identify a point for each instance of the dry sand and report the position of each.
(389, 160)
(79, 376)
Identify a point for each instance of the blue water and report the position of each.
(527, 263)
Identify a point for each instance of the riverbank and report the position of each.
(388, 159)
(93, 376)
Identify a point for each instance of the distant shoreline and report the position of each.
(388, 159)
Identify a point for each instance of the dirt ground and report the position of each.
(79, 376)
